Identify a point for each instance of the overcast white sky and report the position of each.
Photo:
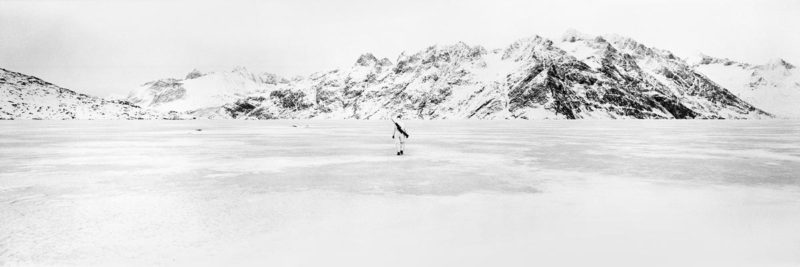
(110, 47)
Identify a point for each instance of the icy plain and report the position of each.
(467, 193)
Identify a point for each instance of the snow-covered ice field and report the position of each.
(467, 193)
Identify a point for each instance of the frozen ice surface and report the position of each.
(467, 193)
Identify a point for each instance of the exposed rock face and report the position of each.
(28, 97)
(194, 74)
(367, 60)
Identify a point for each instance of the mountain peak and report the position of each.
(572, 35)
(459, 48)
(534, 40)
(240, 69)
(703, 59)
(271, 78)
(385, 62)
(778, 63)
(367, 59)
(195, 73)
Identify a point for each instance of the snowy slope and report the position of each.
(201, 90)
(28, 97)
(774, 86)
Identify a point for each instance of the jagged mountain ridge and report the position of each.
(577, 77)
(27, 97)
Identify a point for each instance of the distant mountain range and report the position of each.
(576, 77)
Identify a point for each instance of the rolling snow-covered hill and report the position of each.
(27, 97)
(773, 87)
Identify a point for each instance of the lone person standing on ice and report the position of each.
(400, 134)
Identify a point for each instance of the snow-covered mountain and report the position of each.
(202, 90)
(27, 97)
(773, 87)
(576, 77)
